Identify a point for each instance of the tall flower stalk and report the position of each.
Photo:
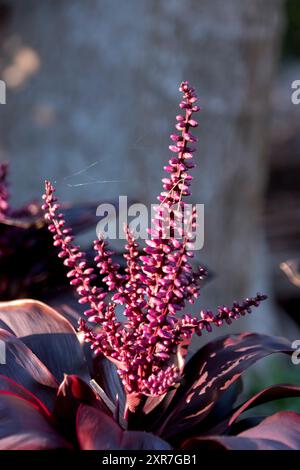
(157, 285)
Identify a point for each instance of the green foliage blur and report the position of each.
(291, 40)
(277, 369)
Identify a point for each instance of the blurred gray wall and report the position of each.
(97, 81)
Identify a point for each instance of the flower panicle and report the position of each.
(178, 183)
(157, 284)
(167, 271)
(80, 274)
(224, 315)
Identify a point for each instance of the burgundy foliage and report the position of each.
(26, 243)
(47, 402)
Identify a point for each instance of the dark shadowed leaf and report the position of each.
(279, 431)
(10, 386)
(283, 427)
(221, 409)
(210, 372)
(105, 374)
(241, 425)
(97, 431)
(23, 427)
(232, 443)
(71, 394)
(25, 368)
(153, 410)
(49, 335)
(274, 392)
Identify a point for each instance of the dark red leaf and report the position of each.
(9, 386)
(278, 432)
(241, 425)
(97, 431)
(217, 418)
(232, 443)
(49, 335)
(153, 410)
(71, 394)
(23, 427)
(210, 372)
(275, 392)
(283, 427)
(105, 374)
(25, 368)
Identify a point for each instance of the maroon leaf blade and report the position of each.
(25, 368)
(97, 431)
(71, 394)
(280, 431)
(49, 335)
(211, 371)
(105, 374)
(232, 443)
(23, 427)
(275, 392)
(8, 385)
(283, 427)
(217, 418)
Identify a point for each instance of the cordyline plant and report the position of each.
(137, 390)
(25, 242)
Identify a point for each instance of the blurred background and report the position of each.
(92, 92)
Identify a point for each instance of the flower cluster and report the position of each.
(156, 285)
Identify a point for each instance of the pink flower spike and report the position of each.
(153, 288)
